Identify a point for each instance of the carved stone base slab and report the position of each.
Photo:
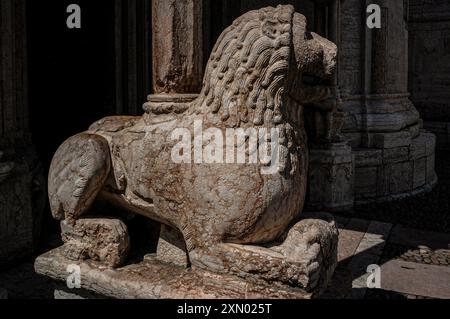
(153, 279)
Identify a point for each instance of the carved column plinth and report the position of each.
(395, 171)
(331, 177)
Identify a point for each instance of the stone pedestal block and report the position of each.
(102, 239)
(311, 244)
(331, 178)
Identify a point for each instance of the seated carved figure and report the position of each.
(233, 218)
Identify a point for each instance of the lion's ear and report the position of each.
(269, 29)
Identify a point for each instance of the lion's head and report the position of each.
(263, 58)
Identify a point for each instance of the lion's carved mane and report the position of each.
(246, 73)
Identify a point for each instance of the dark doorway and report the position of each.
(70, 77)
(71, 71)
(78, 76)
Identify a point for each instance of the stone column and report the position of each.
(177, 46)
(177, 27)
(393, 156)
(22, 188)
(374, 75)
(388, 106)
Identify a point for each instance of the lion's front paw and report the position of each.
(309, 245)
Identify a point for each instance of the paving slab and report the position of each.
(351, 232)
(368, 253)
(349, 238)
(416, 279)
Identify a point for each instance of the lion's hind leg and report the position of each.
(78, 171)
(304, 259)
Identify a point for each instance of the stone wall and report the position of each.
(22, 185)
(429, 54)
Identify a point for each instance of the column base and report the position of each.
(341, 177)
(331, 178)
(396, 172)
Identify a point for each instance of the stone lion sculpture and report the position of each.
(233, 219)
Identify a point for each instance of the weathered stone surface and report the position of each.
(152, 279)
(62, 295)
(100, 239)
(430, 143)
(331, 178)
(350, 237)
(366, 181)
(416, 279)
(233, 218)
(420, 172)
(400, 172)
(177, 46)
(418, 148)
(391, 140)
(368, 157)
(431, 172)
(396, 154)
(400, 177)
(171, 247)
(62, 292)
